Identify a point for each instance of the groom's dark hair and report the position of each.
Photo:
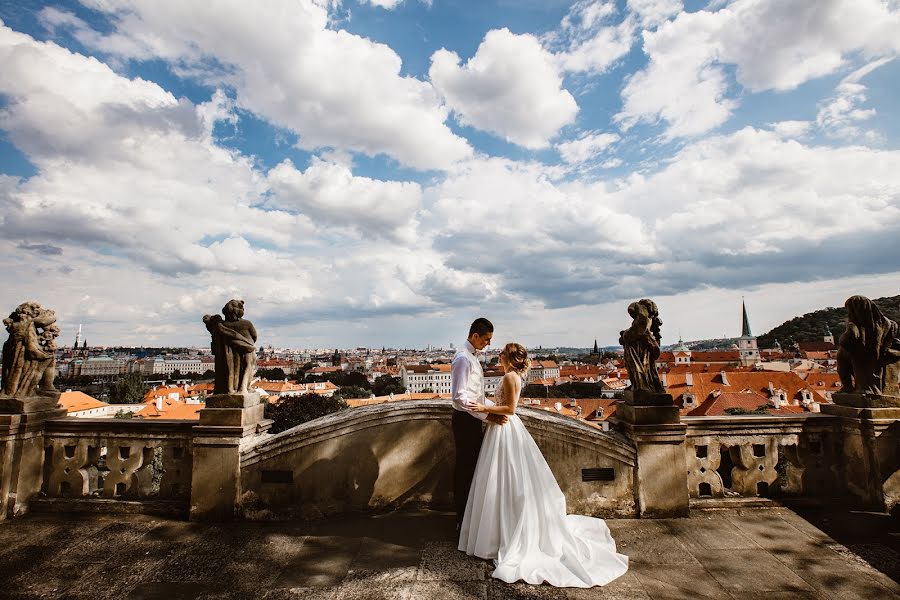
(481, 326)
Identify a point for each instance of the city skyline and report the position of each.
(381, 172)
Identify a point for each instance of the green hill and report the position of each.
(811, 326)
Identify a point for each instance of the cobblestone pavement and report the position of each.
(769, 553)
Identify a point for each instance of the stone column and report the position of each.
(22, 449)
(869, 448)
(653, 423)
(216, 476)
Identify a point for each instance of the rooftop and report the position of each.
(720, 554)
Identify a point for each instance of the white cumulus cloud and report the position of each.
(288, 66)
(511, 87)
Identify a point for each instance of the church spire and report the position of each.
(746, 327)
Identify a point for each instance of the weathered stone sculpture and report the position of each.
(868, 357)
(29, 363)
(641, 345)
(233, 340)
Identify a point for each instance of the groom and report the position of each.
(466, 390)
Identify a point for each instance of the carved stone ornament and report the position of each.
(233, 339)
(868, 357)
(29, 362)
(641, 345)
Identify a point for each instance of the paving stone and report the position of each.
(775, 595)
(497, 589)
(838, 578)
(626, 587)
(366, 589)
(167, 590)
(378, 560)
(302, 593)
(449, 590)
(751, 570)
(45, 543)
(649, 542)
(777, 536)
(441, 561)
(322, 561)
(708, 532)
(678, 581)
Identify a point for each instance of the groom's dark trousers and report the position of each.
(467, 434)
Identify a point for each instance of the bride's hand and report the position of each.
(478, 408)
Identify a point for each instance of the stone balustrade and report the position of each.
(118, 459)
(757, 456)
(381, 457)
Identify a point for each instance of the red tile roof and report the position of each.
(77, 401)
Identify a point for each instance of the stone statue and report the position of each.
(641, 344)
(233, 341)
(868, 357)
(29, 362)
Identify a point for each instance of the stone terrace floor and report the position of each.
(746, 553)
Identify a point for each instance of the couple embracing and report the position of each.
(509, 507)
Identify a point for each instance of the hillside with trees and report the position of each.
(811, 326)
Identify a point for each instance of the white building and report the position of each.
(542, 369)
(162, 366)
(419, 378)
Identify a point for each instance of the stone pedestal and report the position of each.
(22, 449)
(653, 423)
(216, 475)
(869, 451)
(855, 400)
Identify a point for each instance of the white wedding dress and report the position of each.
(516, 515)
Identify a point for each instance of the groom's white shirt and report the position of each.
(467, 381)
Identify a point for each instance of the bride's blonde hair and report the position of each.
(517, 357)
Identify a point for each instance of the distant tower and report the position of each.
(828, 337)
(682, 353)
(596, 348)
(336, 358)
(77, 338)
(747, 342)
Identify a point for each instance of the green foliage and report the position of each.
(386, 384)
(294, 410)
(575, 389)
(128, 389)
(811, 326)
(427, 390)
(353, 391)
(342, 379)
(271, 374)
(123, 414)
(762, 409)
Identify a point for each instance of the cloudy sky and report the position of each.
(380, 172)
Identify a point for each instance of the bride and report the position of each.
(516, 513)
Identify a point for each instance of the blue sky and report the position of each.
(380, 172)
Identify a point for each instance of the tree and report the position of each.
(294, 410)
(272, 374)
(342, 379)
(128, 389)
(386, 385)
(353, 391)
(123, 414)
(427, 390)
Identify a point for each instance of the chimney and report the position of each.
(724, 377)
(689, 378)
(159, 400)
(558, 406)
(664, 379)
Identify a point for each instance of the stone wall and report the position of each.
(756, 456)
(389, 455)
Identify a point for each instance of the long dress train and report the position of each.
(516, 515)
